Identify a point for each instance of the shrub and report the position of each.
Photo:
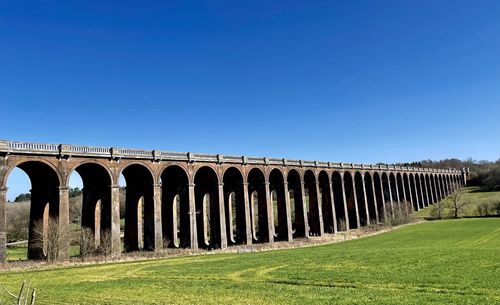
(401, 213)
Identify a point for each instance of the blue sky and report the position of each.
(344, 81)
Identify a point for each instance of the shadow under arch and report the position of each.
(175, 207)
(139, 208)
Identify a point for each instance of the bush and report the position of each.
(401, 213)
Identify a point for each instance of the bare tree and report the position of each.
(50, 239)
(457, 203)
(438, 209)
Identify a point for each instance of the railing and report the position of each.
(91, 151)
(35, 147)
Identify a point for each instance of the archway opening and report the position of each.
(350, 201)
(207, 208)
(370, 197)
(175, 208)
(394, 204)
(33, 215)
(386, 192)
(277, 188)
(414, 196)
(312, 206)
(139, 208)
(326, 203)
(379, 194)
(360, 198)
(259, 217)
(296, 203)
(95, 203)
(234, 206)
(401, 193)
(338, 199)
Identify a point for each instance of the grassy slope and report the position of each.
(445, 262)
(473, 195)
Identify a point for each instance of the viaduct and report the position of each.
(204, 201)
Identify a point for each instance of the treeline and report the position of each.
(73, 192)
(483, 173)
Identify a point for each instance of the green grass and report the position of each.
(443, 262)
(21, 253)
(472, 195)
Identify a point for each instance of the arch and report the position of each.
(418, 185)
(208, 220)
(327, 211)
(278, 200)
(426, 194)
(259, 217)
(296, 203)
(95, 162)
(401, 192)
(45, 182)
(408, 191)
(433, 188)
(386, 192)
(339, 203)
(312, 205)
(379, 195)
(42, 162)
(360, 199)
(176, 228)
(371, 198)
(139, 193)
(96, 220)
(429, 189)
(414, 193)
(350, 197)
(234, 205)
(394, 197)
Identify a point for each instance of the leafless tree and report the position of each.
(457, 203)
(49, 238)
(438, 210)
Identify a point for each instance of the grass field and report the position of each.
(443, 262)
(472, 195)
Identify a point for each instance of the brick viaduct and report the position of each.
(203, 201)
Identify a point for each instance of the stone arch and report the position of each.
(139, 199)
(96, 220)
(426, 191)
(394, 204)
(433, 187)
(234, 205)
(360, 199)
(327, 209)
(50, 165)
(408, 190)
(371, 198)
(413, 191)
(418, 185)
(386, 192)
(258, 205)
(339, 204)
(312, 206)
(350, 197)
(429, 189)
(176, 228)
(296, 203)
(401, 191)
(45, 206)
(379, 195)
(208, 220)
(278, 201)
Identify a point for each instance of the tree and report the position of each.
(457, 203)
(438, 209)
(23, 197)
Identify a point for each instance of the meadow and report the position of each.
(479, 203)
(439, 262)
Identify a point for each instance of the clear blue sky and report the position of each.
(344, 81)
